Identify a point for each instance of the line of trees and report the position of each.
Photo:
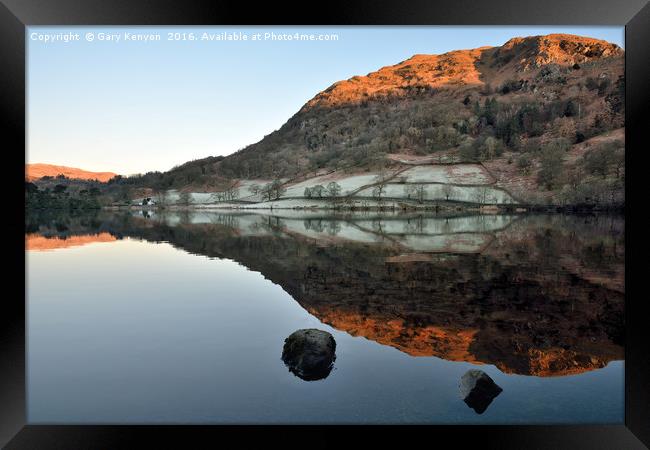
(273, 190)
(333, 190)
(59, 197)
(416, 191)
(230, 194)
(270, 191)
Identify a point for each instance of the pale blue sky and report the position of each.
(131, 107)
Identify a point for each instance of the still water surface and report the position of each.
(181, 317)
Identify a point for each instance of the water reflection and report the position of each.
(533, 295)
(39, 242)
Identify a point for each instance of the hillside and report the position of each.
(37, 171)
(427, 104)
(542, 117)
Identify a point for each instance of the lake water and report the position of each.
(181, 317)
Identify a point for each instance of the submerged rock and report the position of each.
(478, 390)
(309, 354)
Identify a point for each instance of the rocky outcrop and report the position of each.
(418, 72)
(563, 49)
(309, 354)
(466, 67)
(478, 390)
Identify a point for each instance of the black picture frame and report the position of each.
(15, 15)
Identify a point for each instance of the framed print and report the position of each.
(376, 222)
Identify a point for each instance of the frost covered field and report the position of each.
(465, 183)
(472, 194)
(348, 183)
(451, 174)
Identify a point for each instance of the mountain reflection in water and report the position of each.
(533, 295)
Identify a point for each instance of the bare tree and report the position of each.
(231, 193)
(420, 193)
(334, 189)
(254, 188)
(380, 184)
(481, 195)
(416, 191)
(184, 198)
(273, 191)
(161, 197)
(447, 190)
(216, 196)
(267, 192)
(279, 189)
(378, 191)
(317, 191)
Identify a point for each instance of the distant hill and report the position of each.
(36, 171)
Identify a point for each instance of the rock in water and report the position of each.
(309, 353)
(478, 390)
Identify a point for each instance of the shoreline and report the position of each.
(485, 209)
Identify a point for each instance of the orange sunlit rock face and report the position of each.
(36, 171)
(459, 68)
(39, 243)
(566, 49)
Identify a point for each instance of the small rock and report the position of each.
(309, 354)
(478, 390)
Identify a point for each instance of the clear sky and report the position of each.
(134, 106)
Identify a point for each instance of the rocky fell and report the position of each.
(462, 68)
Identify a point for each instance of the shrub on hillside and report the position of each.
(552, 168)
(608, 158)
(524, 162)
